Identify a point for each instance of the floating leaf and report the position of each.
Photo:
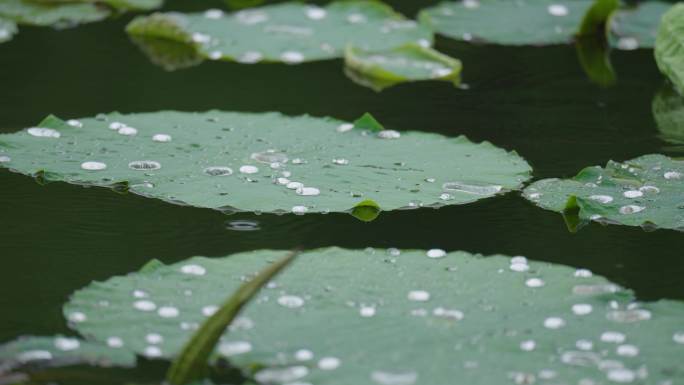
(536, 22)
(669, 48)
(168, 54)
(668, 112)
(411, 62)
(368, 317)
(135, 5)
(647, 191)
(7, 30)
(62, 351)
(57, 15)
(290, 32)
(263, 162)
(637, 26)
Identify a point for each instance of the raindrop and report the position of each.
(193, 269)
(554, 323)
(633, 194)
(329, 363)
(248, 169)
(344, 127)
(627, 351)
(472, 189)
(340, 161)
(144, 305)
(209, 310)
(144, 165)
(140, 294)
(153, 352)
(292, 57)
(471, 4)
(627, 43)
(534, 282)
(233, 348)
(315, 13)
(294, 185)
(77, 317)
(162, 138)
(367, 311)
(393, 251)
(445, 196)
(66, 344)
(168, 312)
(528, 345)
(74, 123)
(213, 13)
(93, 166)
(436, 253)
(631, 209)
(456, 315)
(41, 132)
(649, 189)
(4, 159)
(584, 345)
(303, 355)
(115, 342)
(243, 225)
(299, 210)
(127, 131)
(389, 134)
(308, 191)
(116, 125)
(557, 10)
(582, 308)
(621, 375)
(601, 198)
(583, 273)
(154, 338)
(678, 337)
(291, 301)
(672, 175)
(218, 171)
(200, 38)
(613, 337)
(418, 295)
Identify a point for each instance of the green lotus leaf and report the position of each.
(669, 47)
(62, 351)
(263, 162)
(647, 191)
(636, 26)
(291, 32)
(133, 5)
(56, 15)
(339, 317)
(668, 112)
(412, 62)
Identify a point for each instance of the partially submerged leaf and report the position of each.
(8, 29)
(669, 47)
(647, 191)
(263, 162)
(42, 352)
(366, 211)
(168, 54)
(411, 62)
(290, 32)
(57, 15)
(193, 361)
(668, 112)
(595, 20)
(636, 26)
(341, 317)
(594, 57)
(533, 22)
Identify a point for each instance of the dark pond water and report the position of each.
(57, 238)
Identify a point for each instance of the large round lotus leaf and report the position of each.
(7, 30)
(61, 351)
(289, 32)
(57, 15)
(263, 162)
(535, 22)
(637, 26)
(669, 49)
(388, 317)
(668, 112)
(646, 191)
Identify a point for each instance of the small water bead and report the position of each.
(452, 314)
(315, 13)
(472, 189)
(154, 338)
(534, 282)
(441, 72)
(299, 210)
(633, 194)
(127, 131)
(74, 123)
(291, 301)
(418, 295)
(189, 325)
(393, 251)
(340, 161)
(200, 38)
(678, 337)
(250, 57)
(193, 269)
(269, 157)
(281, 375)
(627, 351)
(381, 377)
(649, 189)
(140, 294)
(41, 132)
(77, 317)
(218, 171)
(5, 159)
(582, 308)
(583, 273)
(213, 13)
(248, 169)
(584, 345)
(67, 344)
(303, 355)
(356, 18)
(161, 138)
(557, 10)
(389, 134)
(631, 209)
(367, 311)
(445, 196)
(528, 345)
(308, 191)
(613, 337)
(152, 352)
(34, 355)
(234, 348)
(292, 57)
(554, 323)
(329, 363)
(629, 315)
(627, 43)
(294, 185)
(621, 375)
(672, 175)
(601, 198)
(209, 310)
(144, 305)
(93, 166)
(436, 253)
(115, 342)
(144, 165)
(116, 126)
(344, 127)
(471, 4)
(168, 312)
